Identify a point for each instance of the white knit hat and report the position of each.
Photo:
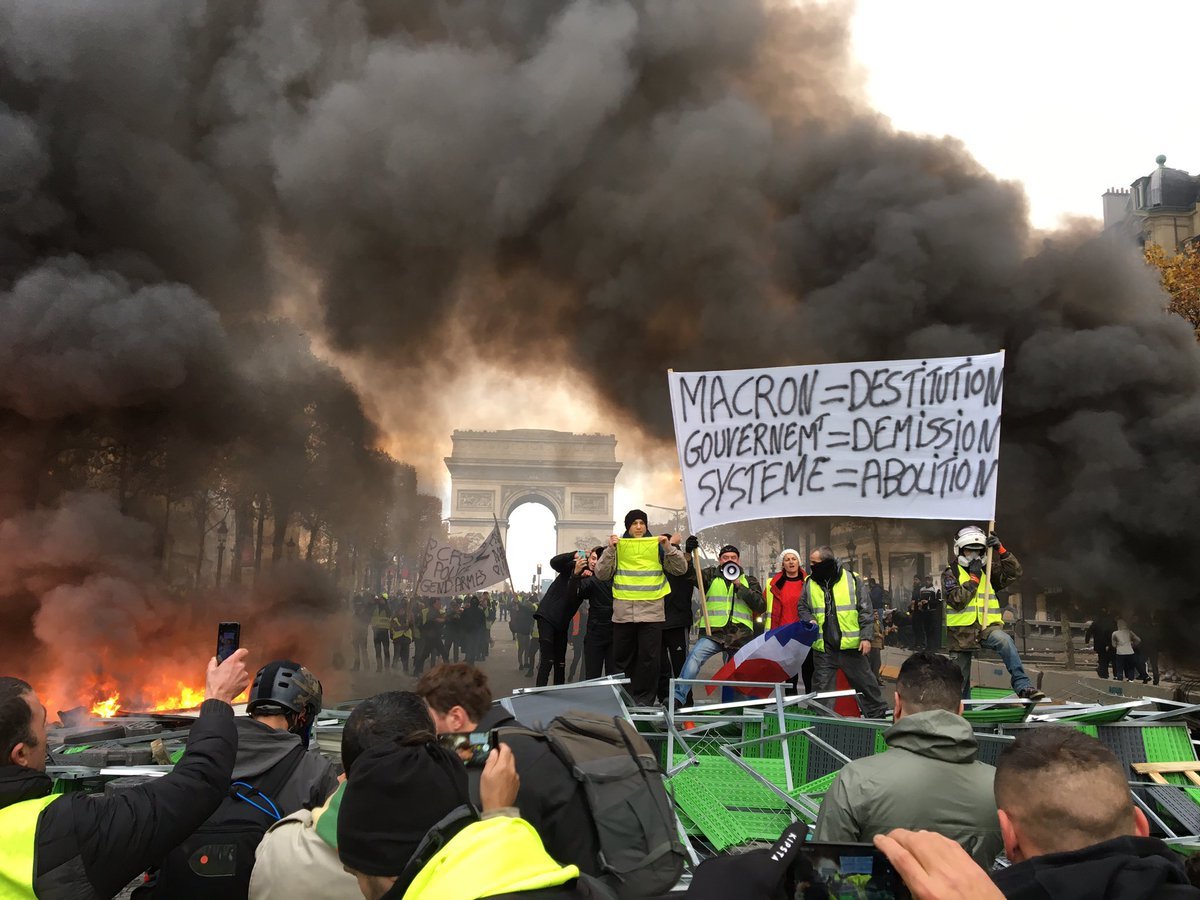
(799, 558)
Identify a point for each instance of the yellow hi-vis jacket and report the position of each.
(984, 608)
(639, 575)
(723, 605)
(18, 838)
(500, 855)
(845, 603)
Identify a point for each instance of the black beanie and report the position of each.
(394, 797)
(729, 548)
(635, 514)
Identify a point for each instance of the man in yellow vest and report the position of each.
(92, 845)
(440, 848)
(973, 617)
(638, 566)
(834, 598)
(732, 608)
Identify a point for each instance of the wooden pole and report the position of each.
(700, 585)
(988, 575)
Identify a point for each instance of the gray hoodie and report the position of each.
(261, 748)
(927, 779)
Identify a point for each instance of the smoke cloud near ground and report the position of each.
(77, 580)
(602, 189)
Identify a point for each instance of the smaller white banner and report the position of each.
(448, 572)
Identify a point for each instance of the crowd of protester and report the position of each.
(413, 815)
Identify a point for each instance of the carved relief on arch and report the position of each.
(513, 495)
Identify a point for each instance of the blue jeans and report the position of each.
(997, 639)
(702, 651)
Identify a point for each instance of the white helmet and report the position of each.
(971, 536)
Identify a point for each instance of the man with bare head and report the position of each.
(1069, 827)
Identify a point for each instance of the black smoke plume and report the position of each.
(690, 184)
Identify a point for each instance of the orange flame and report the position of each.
(106, 709)
(182, 696)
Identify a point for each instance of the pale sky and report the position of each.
(1067, 97)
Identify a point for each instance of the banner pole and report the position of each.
(696, 552)
(988, 575)
(507, 570)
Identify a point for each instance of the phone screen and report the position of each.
(229, 637)
(846, 870)
(472, 748)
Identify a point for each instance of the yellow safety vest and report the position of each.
(18, 835)
(984, 609)
(845, 602)
(723, 606)
(501, 855)
(639, 574)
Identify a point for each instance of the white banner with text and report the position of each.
(903, 439)
(448, 572)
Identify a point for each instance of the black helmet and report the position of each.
(286, 688)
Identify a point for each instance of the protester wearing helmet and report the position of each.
(973, 616)
(274, 758)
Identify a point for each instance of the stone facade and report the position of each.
(572, 475)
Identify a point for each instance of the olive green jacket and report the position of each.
(927, 779)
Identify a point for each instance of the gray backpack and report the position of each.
(634, 819)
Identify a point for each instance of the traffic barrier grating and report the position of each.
(989, 693)
(706, 812)
(1172, 743)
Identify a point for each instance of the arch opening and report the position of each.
(532, 537)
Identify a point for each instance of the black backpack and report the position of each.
(633, 817)
(216, 860)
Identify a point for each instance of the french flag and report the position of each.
(774, 656)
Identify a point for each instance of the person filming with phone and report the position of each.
(554, 614)
(550, 798)
(93, 845)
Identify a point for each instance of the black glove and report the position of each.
(691, 544)
(993, 542)
(975, 567)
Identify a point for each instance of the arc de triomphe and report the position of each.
(572, 475)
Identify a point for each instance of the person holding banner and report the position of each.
(834, 598)
(638, 567)
(973, 618)
(733, 600)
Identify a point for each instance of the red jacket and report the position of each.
(785, 600)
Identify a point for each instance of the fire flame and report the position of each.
(106, 709)
(180, 697)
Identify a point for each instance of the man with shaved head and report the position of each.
(1069, 827)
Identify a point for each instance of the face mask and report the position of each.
(965, 558)
(824, 570)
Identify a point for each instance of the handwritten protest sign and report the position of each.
(916, 439)
(448, 572)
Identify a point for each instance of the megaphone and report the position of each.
(731, 571)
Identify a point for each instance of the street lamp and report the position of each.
(677, 518)
(222, 535)
(851, 549)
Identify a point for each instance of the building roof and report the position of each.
(1166, 189)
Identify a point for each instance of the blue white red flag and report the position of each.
(774, 656)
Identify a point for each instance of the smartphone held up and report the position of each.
(229, 638)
